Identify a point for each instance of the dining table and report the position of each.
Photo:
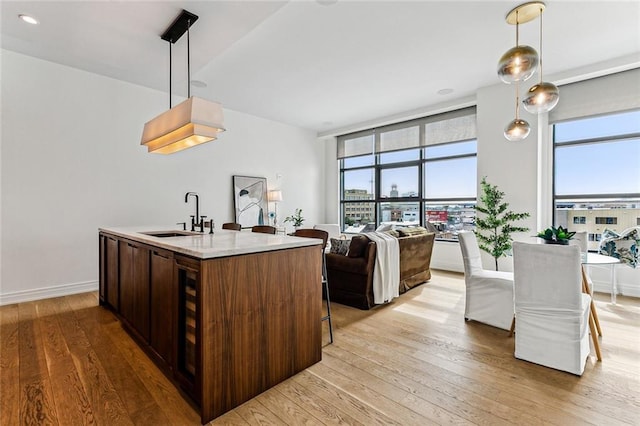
(594, 323)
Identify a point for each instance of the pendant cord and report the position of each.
(517, 29)
(188, 62)
(540, 45)
(517, 100)
(170, 75)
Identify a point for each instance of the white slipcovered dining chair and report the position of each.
(552, 312)
(489, 294)
(581, 240)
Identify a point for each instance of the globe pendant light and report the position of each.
(544, 96)
(520, 62)
(517, 129)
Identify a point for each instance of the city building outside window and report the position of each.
(597, 174)
(413, 173)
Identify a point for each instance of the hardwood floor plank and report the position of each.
(477, 392)
(71, 400)
(425, 387)
(388, 398)
(174, 406)
(36, 404)
(322, 409)
(9, 365)
(105, 401)
(290, 412)
(414, 361)
(33, 365)
(127, 384)
(256, 414)
(230, 418)
(350, 404)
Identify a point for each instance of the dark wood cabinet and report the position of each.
(224, 329)
(161, 309)
(111, 279)
(134, 286)
(188, 343)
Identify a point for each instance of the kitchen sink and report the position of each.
(167, 234)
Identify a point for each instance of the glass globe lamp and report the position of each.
(518, 64)
(542, 97)
(517, 130)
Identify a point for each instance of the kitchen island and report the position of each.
(226, 316)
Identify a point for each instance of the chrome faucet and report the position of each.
(195, 219)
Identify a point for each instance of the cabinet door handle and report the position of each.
(160, 255)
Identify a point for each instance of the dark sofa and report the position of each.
(350, 277)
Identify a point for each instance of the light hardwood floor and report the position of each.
(413, 362)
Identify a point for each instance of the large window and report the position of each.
(597, 174)
(411, 173)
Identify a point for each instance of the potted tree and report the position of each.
(494, 230)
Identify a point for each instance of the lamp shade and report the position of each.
(517, 130)
(518, 64)
(542, 97)
(275, 195)
(190, 123)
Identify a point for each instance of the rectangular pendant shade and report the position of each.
(190, 123)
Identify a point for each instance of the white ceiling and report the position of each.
(316, 66)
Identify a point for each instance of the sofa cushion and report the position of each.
(358, 246)
(393, 233)
(624, 246)
(414, 230)
(384, 227)
(339, 246)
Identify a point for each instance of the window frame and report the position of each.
(619, 197)
(377, 200)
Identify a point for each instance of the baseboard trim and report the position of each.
(623, 289)
(446, 266)
(47, 292)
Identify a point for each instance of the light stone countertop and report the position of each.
(221, 243)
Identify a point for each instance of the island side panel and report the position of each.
(260, 323)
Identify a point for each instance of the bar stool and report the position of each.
(232, 226)
(324, 236)
(264, 229)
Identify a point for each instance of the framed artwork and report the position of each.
(250, 200)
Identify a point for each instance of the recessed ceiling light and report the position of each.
(326, 2)
(445, 91)
(198, 83)
(28, 19)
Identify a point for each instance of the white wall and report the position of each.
(71, 162)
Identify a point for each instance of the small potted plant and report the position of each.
(296, 219)
(555, 235)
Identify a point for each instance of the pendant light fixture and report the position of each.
(517, 129)
(520, 62)
(190, 123)
(544, 96)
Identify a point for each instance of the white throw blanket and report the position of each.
(386, 274)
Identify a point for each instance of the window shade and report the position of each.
(452, 126)
(360, 143)
(602, 95)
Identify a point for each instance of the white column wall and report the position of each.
(71, 161)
